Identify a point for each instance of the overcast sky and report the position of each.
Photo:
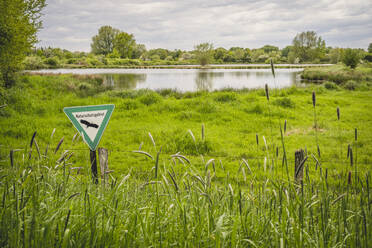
(172, 24)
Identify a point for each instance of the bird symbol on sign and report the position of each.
(88, 124)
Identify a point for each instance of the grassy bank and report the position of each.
(340, 75)
(180, 66)
(231, 121)
(231, 185)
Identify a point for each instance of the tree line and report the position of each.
(111, 47)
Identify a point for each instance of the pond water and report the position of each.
(190, 79)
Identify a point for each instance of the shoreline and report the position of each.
(232, 66)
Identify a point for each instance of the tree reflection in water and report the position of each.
(204, 79)
(123, 81)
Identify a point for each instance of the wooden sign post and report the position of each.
(91, 121)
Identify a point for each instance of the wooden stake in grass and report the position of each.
(267, 92)
(93, 163)
(299, 164)
(103, 163)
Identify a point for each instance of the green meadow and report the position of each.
(194, 169)
(231, 121)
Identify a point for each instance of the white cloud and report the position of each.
(182, 24)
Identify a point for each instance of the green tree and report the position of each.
(103, 42)
(259, 56)
(238, 54)
(286, 50)
(162, 53)
(335, 55)
(351, 57)
(219, 53)
(204, 53)
(124, 43)
(307, 46)
(370, 48)
(139, 51)
(269, 48)
(19, 23)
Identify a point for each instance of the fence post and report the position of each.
(299, 168)
(103, 163)
(93, 163)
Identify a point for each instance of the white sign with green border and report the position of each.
(90, 121)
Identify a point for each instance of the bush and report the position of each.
(284, 102)
(330, 85)
(52, 62)
(368, 57)
(93, 62)
(84, 86)
(351, 57)
(207, 107)
(128, 104)
(257, 109)
(225, 97)
(33, 63)
(71, 61)
(350, 85)
(150, 98)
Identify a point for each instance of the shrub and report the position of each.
(257, 109)
(33, 63)
(207, 107)
(368, 57)
(170, 93)
(350, 85)
(150, 98)
(128, 104)
(84, 86)
(93, 62)
(225, 97)
(52, 62)
(71, 61)
(330, 85)
(351, 57)
(284, 102)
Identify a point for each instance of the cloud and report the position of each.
(174, 24)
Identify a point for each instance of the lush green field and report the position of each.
(231, 121)
(245, 197)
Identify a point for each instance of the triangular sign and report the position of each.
(90, 121)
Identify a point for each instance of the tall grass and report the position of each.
(44, 205)
(183, 200)
(47, 207)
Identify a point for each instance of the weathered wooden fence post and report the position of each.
(93, 163)
(299, 165)
(103, 163)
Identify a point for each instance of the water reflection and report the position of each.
(190, 79)
(204, 80)
(123, 81)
